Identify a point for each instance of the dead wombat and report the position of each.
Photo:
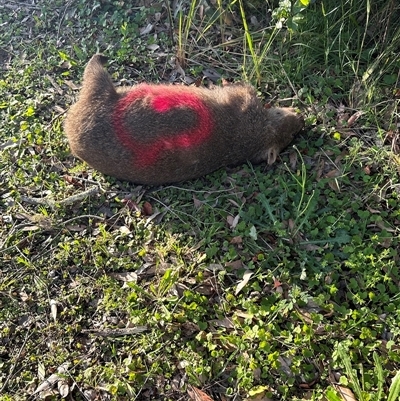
(158, 134)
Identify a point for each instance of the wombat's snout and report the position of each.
(287, 122)
(295, 123)
(298, 118)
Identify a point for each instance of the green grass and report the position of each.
(254, 282)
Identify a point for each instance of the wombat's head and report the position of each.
(283, 125)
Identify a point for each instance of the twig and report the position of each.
(116, 332)
(171, 22)
(62, 19)
(16, 4)
(83, 216)
(14, 365)
(292, 86)
(67, 201)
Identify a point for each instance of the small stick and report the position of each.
(67, 201)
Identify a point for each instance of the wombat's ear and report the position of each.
(100, 58)
(272, 155)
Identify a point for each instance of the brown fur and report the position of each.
(242, 129)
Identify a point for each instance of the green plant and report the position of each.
(394, 390)
(276, 281)
(290, 13)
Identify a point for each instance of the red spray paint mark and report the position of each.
(162, 99)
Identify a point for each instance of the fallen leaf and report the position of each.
(76, 227)
(205, 289)
(125, 277)
(277, 283)
(147, 209)
(333, 174)
(253, 233)
(11, 144)
(30, 228)
(211, 74)
(215, 267)
(63, 388)
(246, 277)
(124, 230)
(198, 82)
(178, 382)
(293, 159)
(354, 118)
(131, 205)
(225, 322)
(55, 85)
(201, 12)
(197, 204)
(383, 226)
(232, 221)
(228, 18)
(320, 169)
(197, 395)
(59, 109)
(183, 364)
(73, 181)
(53, 309)
(41, 371)
(145, 30)
(235, 265)
(66, 65)
(24, 296)
(236, 240)
(48, 383)
(334, 185)
(308, 385)
(258, 394)
(310, 247)
(90, 394)
(285, 363)
(234, 203)
(254, 21)
(346, 393)
(244, 315)
(153, 47)
(386, 242)
(190, 328)
(71, 84)
(340, 157)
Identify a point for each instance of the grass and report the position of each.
(251, 283)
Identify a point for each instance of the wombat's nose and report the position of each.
(299, 116)
(301, 119)
(295, 111)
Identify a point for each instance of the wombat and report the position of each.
(159, 134)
